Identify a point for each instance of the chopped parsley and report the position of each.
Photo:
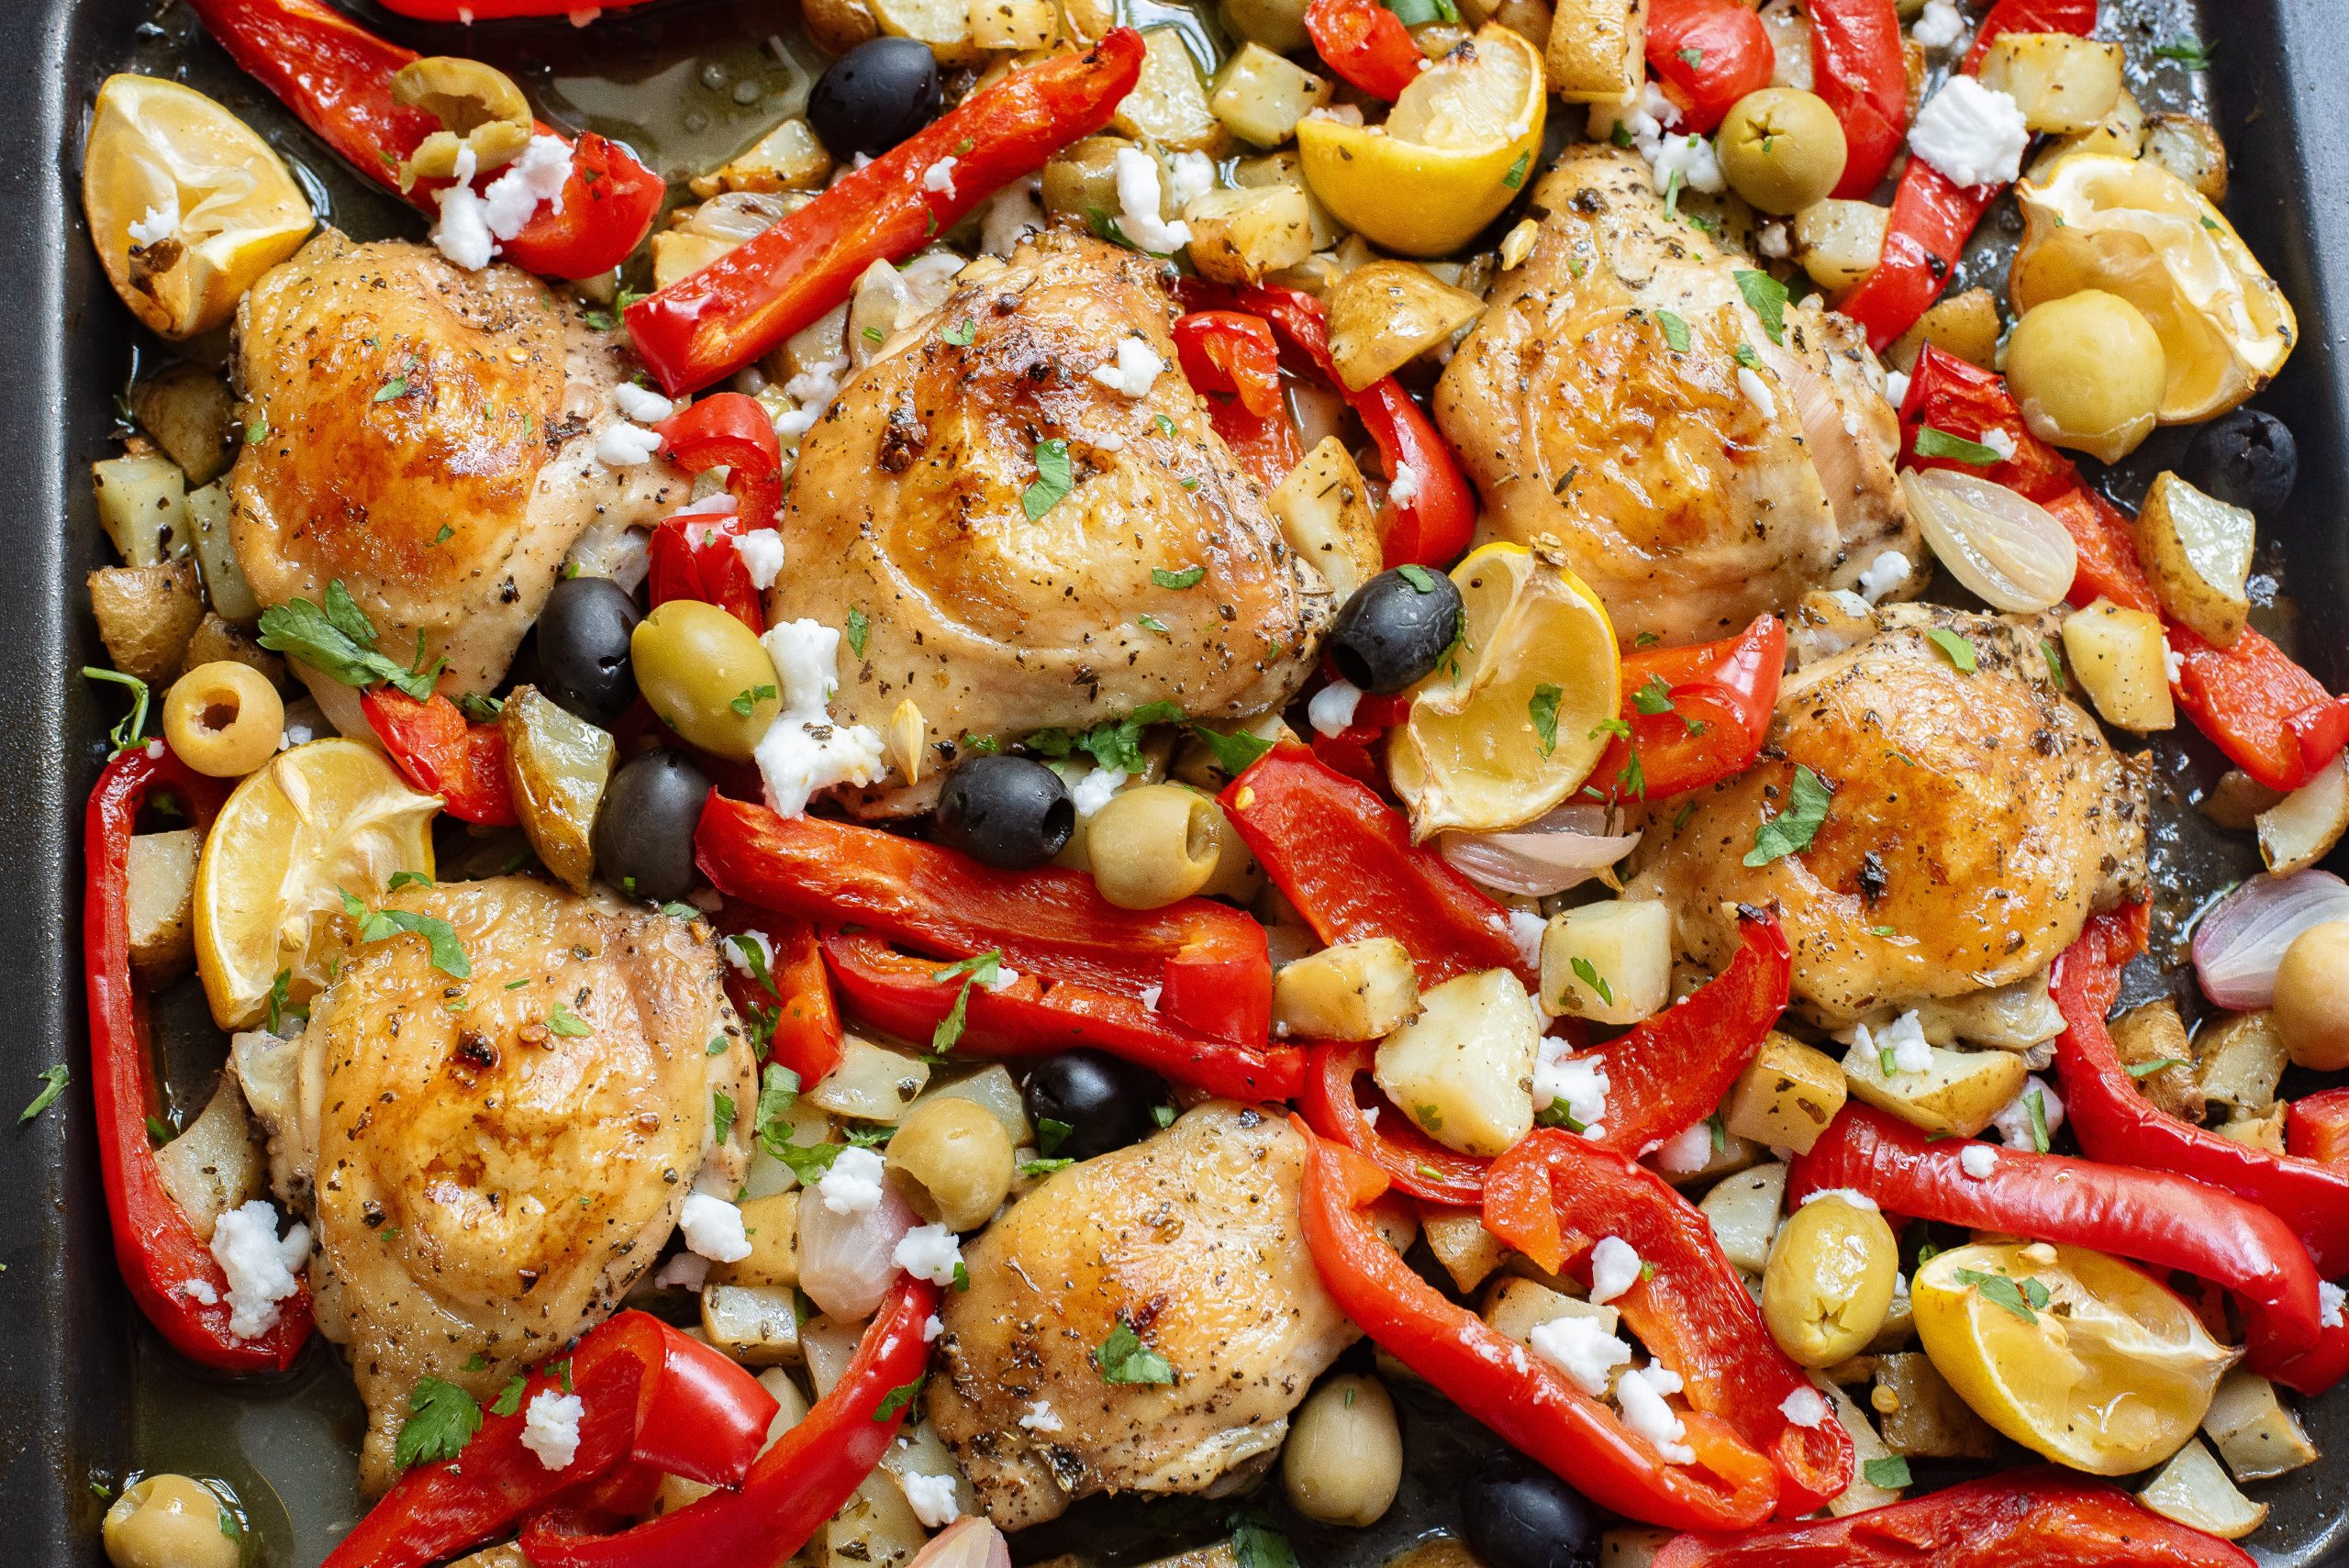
(749, 699)
(1934, 443)
(2147, 1068)
(978, 969)
(1044, 1167)
(337, 639)
(448, 953)
(1054, 479)
(778, 1092)
(1891, 1473)
(2035, 1104)
(1543, 708)
(441, 1419)
(1954, 647)
(1588, 973)
(509, 1398)
(2192, 53)
(1051, 1134)
(1794, 828)
(1114, 744)
(2054, 657)
(1162, 1115)
(1234, 753)
(1149, 622)
(721, 1114)
(53, 1080)
(1676, 332)
(857, 629)
(1123, 1358)
(899, 1398)
(2024, 1298)
(1421, 580)
(1516, 175)
(1190, 577)
(132, 728)
(1767, 297)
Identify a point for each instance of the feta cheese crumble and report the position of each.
(472, 223)
(930, 1252)
(1138, 203)
(1690, 157)
(853, 1185)
(812, 390)
(1757, 391)
(1977, 1160)
(1331, 711)
(762, 553)
(1042, 1417)
(551, 1427)
(713, 1229)
(732, 949)
(2174, 661)
(156, 224)
(1578, 1346)
(931, 1328)
(259, 1265)
(622, 445)
(1805, 1408)
(1614, 1269)
(1404, 489)
(1134, 371)
(2013, 1121)
(1092, 792)
(1638, 1393)
(2329, 1299)
(1688, 1150)
(1010, 215)
(1194, 177)
(641, 404)
(1525, 929)
(200, 1291)
(940, 176)
(1579, 1081)
(1887, 573)
(1938, 26)
(931, 1497)
(1904, 1036)
(803, 750)
(1970, 134)
(1852, 1195)
(1775, 241)
(2002, 443)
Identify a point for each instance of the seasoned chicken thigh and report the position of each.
(488, 1170)
(1976, 820)
(427, 436)
(1622, 395)
(1191, 1239)
(925, 500)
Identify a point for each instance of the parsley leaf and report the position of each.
(567, 1025)
(2000, 1291)
(721, 1114)
(133, 726)
(808, 1162)
(1054, 479)
(53, 1080)
(1543, 708)
(1931, 442)
(1256, 1544)
(1744, 355)
(1162, 1115)
(1187, 578)
(2192, 53)
(1051, 1134)
(1421, 580)
(1234, 753)
(396, 387)
(1516, 175)
(448, 953)
(1655, 697)
(277, 991)
(756, 957)
(1149, 622)
(1676, 332)
(961, 332)
(2147, 1068)
(1954, 646)
(509, 1398)
(1767, 296)
(1043, 1167)
(1115, 744)
(857, 629)
(749, 699)
(1123, 1358)
(2054, 657)
(778, 1092)
(337, 639)
(441, 1419)
(2035, 1103)
(1588, 973)
(1890, 1473)
(897, 1399)
(1794, 828)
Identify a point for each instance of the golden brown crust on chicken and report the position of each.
(1192, 1239)
(906, 505)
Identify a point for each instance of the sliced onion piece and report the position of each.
(2240, 943)
(970, 1542)
(1564, 849)
(847, 1260)
(2007, 550)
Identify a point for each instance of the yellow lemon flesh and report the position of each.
(1510, 726)
(2078, 1356)
(321, 819)
(2134, 230)
(1457, 147)
(212, 206)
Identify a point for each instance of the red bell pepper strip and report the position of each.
(441, 754)
(1413, 1161)
(1366, 44)
(794, 992)
(1230, 358)
(1345, 859)
(336, 77)
(1208, 960)
(1722, 697)
(2317, 1127)
(2116, 1123)
(1349, 751)
(720, 318)
(1523, 1399)
(1034, 1016)
(792, 1487)
(694, 557)
(158, 1251)
(650, 1396)
(1857, 67)
(2040, 1518)
(2271, 718)
(1960, 398)
(1554, 1196)
(2149, 1216)
(1707, 54)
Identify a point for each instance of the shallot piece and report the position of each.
(1564, 849)
(847, 1260)
(970, 1542)
(2241, 942)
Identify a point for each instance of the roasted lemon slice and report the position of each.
(1457, 147)
(2133, 228)
(321, 819)
(187, 205)
(1511, 724)
(2069, 1352)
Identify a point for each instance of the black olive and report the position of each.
(1518, 1514)
(1393, 632)
(1005, 812)
(1103, 1102)
(2247, 460)
(582, 648)
(644, 829)
(875, 96)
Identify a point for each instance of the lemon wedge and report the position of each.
(1511, 724)
(2133, 228)
(2077, 1355)
(187, 205)
(319, 818)
(1457, 147)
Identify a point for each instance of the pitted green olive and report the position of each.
(172, 1521)
(1152, 845)
(957, 1159)
(707, 675)
(1782, 149)
(1829, 1282)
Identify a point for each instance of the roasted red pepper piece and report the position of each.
(2148, 1215)
(796, 990)
(694, 557)
(2272, 718)
(1554, 1196)
(1412, 1160)
(2317, 1127)
(1722, 697)
(1349, 750)
(1960, 398)
(158, 1251)
(1366, 44)
(1667, 1073)
(720, 318)
(1524, 1400)
(1708, 54)
(650, 1396)
(795, 1485)
(1856, 66)
(1208, 960)
(1034, 1017)
(1345, 859)
(2041, 1518)
(336, 77)
(1230, 356)
(441, 754)
(2116, 1123)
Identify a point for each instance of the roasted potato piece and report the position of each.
(1260, 97)
(1839, 242)
(1385, 314)
(145, 615)
(1014, 24)
(1957, 1095)
(839, 26)
(1361, 990)
(1597, 51)
(1743, 1210)
(1082, 179)
(2252, 1431)
(1287, 168)
(2197, 549)
(208, 511)
(871, 1084)
(772, 1223)
(2260, 1130)
(2243, 1061)
(1463, 1069)
(217, 1162)
(1921, 1414)
(1609, 962)
(1517, 1307)
(216, 639)
(1324, 513)
(142, 505)
(1862, 1493)
(2119, 134)
(757, 1325)
(788, 158)
(2154, 1034)
(1468, 1252)
(2190, 149)
(190, 413)
(161, 899)
(1278, 25)
(2301, 828)
(2064, 85)
(557, 764)
(1169, 104)
(1786, 1096)
(1237, 236)
(2121, 660)
(943, 25)
(1967, 325)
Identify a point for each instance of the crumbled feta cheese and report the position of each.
(1895, 387)
(1640, 1395)
(1757, 391)
(1578, 1346)
(716, 504)
(623, 445)
(2001, 442)
(1888, 572)
(642, 405)
(684, 1271)
(1688, 1150)
(1150, 996)
(762, 553)
(1614, 1269)
(1904, 1036)
(1852, 1195)
(1775, 241)
(931, 1498)
(2040, 1254)
(473, 222)
(551, 1427)
(1404, 488)
(1194, 177)
(1010, 215)
(940, 176)
(1938, 26)
(2013, 1122)
(1006, 977)
(1134, 371)
(1970, 134)
(931, 1328)
(853, 1184)
(1579, 1081)
(812, 390)
(713, 1227)
(1137, 201)
(2329, 1299)
(732, 949)
(1331, 711)
(1042, 1417)
(1805, 1408)
(2174, 661)
(803, 750)
(930, 1252)
(200, 1291)
(259, 1264)
(1690, 157)
(1525, 929)
(1977, 1160)
(1092, 792)
(156, 224)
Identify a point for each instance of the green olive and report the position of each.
(1344, 1458)
(2088, 371)
(1829, 1282)
(2311, 1008)
(1152, 845)
(953, 1159)
(172, 1521)
(1781, 148)
(1237, 876)
(707, 675)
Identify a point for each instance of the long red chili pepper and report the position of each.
(1554, 1196)
(1207, 962)
(1707, 54)
(1523, 1399)
(718, 319)
(171, 1272)
(1856, 67)
(336, 77)
(1697, 715)
(2040, 1518)
(793, 1486)
(441, 754)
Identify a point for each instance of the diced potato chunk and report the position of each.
(2260, 1130)
(2064, 85)
(2243, 1061)
(2153, 1038)
(1014, 24)
(2190, 149)
(1237, 236)
(2252, 1431)
(1957, 1094)
(680, 253)
(145, 615)
(870, 1084)
(1468, 1252)
(1786, 1096)
(1169, 104)
(1839, 242)
(877, 1528)
(1862, 1493)
(773, 1225)
(557, 765)
(1967, 325)
(142, 505)
(1287, 168)
(1260, 97)
(2121, 134)
(1278, 25)
(1323, 509)
(1359, 990)
(2121, 660)
(1517, 1307)
(1743, 1210)
(1597, 51)
(2301, 828)
(188, 410)
(1385, 314)
(1921, 1414)
(1610, 962)
(757, 1325)
(2194, 1490)
(216, 1164)
(159, 894)
(943, 25)
(2197, 549)
(788, 158)
(208, 511)
(1462, 1070)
